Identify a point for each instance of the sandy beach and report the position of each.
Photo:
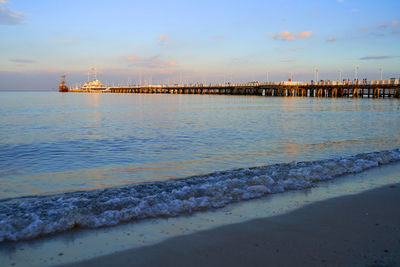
(356, 230)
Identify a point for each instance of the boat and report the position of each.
(62, 87)
(93, 85)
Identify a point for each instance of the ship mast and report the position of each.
(95, 73)
(94, 70)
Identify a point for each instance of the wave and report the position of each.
(31, 217)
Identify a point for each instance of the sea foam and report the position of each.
(30, 217)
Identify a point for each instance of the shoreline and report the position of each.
(356, 230)
(115, 205)
(79, 245)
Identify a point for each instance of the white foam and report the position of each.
(25, 218)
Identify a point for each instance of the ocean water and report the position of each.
(90, 160)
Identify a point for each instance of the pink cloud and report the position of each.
(163, 37)
(288, 36)
(306, 34)
(132, 58)
(283, 36)
(385, 25)
(172, 63)
(332, 39)
(149, 62)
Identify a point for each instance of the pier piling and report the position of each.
(384, 90)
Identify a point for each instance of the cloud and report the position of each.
(172, 63)
(397, 31)
(4, 2)
(287, 60)
(132, 58)
(340, 1)
(219, 36)
(376, 57)
(306, 34)
(9, 17)
(55, 71)
(150, 62)
(163, 37)
(288, 36)
(283, 36)
(23, 60)
(385, 25)
(364, 29)
(378, 34)
(332, 39)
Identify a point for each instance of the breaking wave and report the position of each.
(30, 217)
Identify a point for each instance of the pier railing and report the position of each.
(375, 88)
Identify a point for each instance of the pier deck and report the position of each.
(261, 89)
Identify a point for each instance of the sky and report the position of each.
(203, 41)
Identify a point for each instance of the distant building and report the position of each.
(93, 85)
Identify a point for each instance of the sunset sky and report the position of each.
(204, 41)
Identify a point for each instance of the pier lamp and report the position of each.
(356, 72)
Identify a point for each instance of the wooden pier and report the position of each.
(384, 90)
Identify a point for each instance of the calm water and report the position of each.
(52, 142)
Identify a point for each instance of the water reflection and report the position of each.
(52, 142)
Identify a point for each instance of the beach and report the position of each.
(240, 133)
(112, 173)
(355, 230)
(341, 220)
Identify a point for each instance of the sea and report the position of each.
(77, 160)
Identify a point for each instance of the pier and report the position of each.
(373, 89)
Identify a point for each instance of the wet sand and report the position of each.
(356, 230)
